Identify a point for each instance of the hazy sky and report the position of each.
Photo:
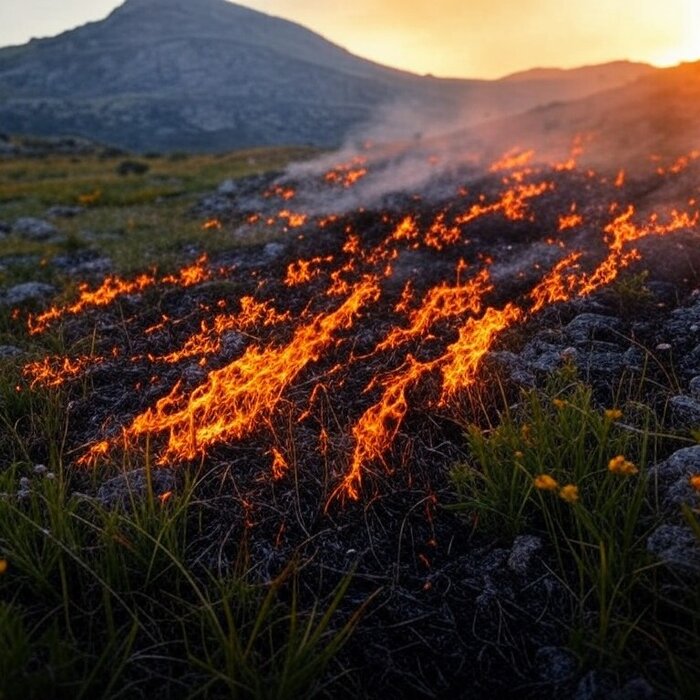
(466, 38)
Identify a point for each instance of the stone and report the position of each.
(63, 212)
(7, 351)
(694, 388)
(636, 689)
(586, 327)
(595, 685)
(228, 187)
(28, 291)
(685, 410)
(523, 554)
(133, 486)
(34, 229)
(672, 478)
(555, 664)
(677, 547)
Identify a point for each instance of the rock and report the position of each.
(63, 212)
(34, 229)
(133, 486)
(228, 187)
(685, 410)
(273, 250)
(586, 327)
(602, 362)
(28, 291)
(83, 263)
(5, 228)
(595, 685)
(677, 547)
(636, 689)
(10, 351)
(555, 664)
(672, 478)
(634, 359)
(694, 388)
(523, 554)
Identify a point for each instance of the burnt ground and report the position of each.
(453, 611)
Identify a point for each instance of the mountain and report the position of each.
(212, 75)
(652, 119)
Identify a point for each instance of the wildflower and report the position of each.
(526, 432)
(519, 454)
(569, 493)
(612, 414)
(623, 467)
(544, 482)
(3, 566)
(695, 482)
(559, 403)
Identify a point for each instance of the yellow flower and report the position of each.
(695, 482)
(3, 566)
(613, 414)
(526, 432)
(619, 465)
(544, 482)
(519, 455)
(569, 493)
(559, 403)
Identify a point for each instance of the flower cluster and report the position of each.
(623, 467)
(545, 482)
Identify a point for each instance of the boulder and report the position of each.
(34, 229)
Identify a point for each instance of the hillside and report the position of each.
(212, 75)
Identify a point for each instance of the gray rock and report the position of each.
(10, 351)
(636, 689)
(133, 486)
(523, 554)
(602, 362)
(34, 229)
(694, 388)
(28, 291)
(672, 478)
(677, 547)
(63, 212)
(685, 410)
(634, 359)
(555, 664)
(595, 685)
(273, 250)
(228, 187)
(586, 327)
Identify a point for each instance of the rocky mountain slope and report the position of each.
(212, 75)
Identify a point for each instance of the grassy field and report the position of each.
(112, 600)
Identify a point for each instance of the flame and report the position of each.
(233, 400)
(421, 348)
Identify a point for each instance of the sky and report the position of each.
(450, 38)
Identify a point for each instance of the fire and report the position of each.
(347, 174)
(388, 316)
(233, 401)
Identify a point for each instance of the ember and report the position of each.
(379, 315)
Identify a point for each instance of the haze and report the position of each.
(458, 38)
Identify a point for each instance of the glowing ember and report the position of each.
(379, 316)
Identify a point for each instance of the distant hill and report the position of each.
(212, 75)
(657, 115)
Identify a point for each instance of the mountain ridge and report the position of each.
(213, 75)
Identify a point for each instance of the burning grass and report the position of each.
(318, 388)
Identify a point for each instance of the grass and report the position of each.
(136, 220)
(577, 474)
(109, 602)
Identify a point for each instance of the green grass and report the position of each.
(112, 601)
(105, 602)
(136, 220)
(548, 467)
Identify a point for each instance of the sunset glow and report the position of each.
(480, 38)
